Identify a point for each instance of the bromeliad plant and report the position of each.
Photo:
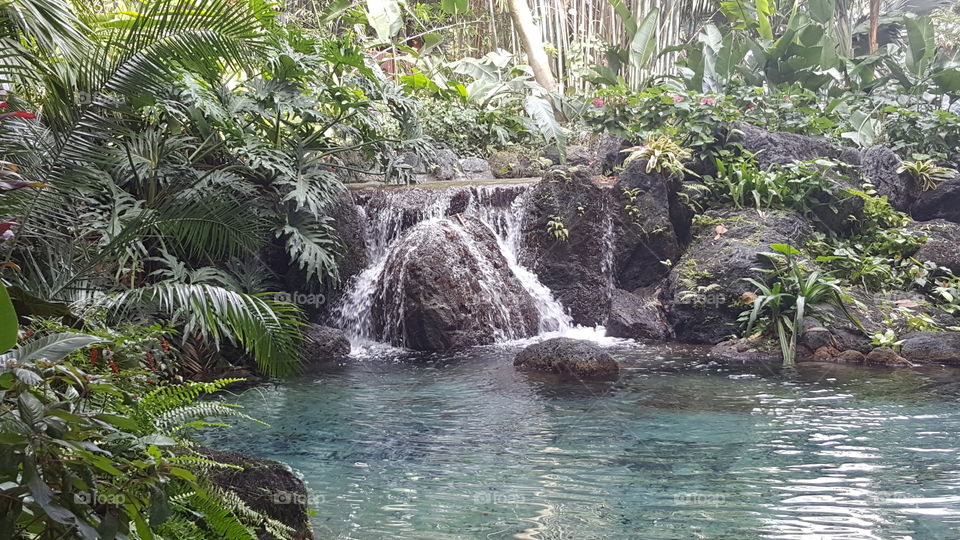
(794, 294)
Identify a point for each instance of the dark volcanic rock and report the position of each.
(324, 344)
(474, 168)
(774, 147)
(932, 347)
(609, 154)
(643, 226)
(885, 356)
(636, 317)
(704, 288)
(942, 245)
(566, 356)
(446, 285)
(572, 267)
(348, 222)
(507, 164)
(266, 486)
(746, 351)
(940, 203)
(878, 165)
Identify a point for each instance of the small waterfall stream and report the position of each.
(389, 213)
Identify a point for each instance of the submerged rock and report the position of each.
(704, 288)
(324, 344)
(932, 347)
(746, 351)
(636, 317)
(565, 356)
(885, 356)
(266, 486)
(446, 285)
(566, 227)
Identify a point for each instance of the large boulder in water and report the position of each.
(637, 316)
(570, 357)
(566, 228)
(704, 288)
(323, 344)
(266, 486)
(446, 285)
(932, 347)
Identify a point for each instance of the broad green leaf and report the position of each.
(821, 10)
(541, 111)
(454, 7)
(948, 80)
(385, 18)
(53, 348)
(626, 17)
(764, 10)
(8, 321)
(644, 42)
(785, 249)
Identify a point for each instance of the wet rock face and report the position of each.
(942, 245)
(704, 288)
(636, 316)
(447, 286)
(932, 347)
(878, 165)
(643, 226)
(323, 344)
(574, 268)
(348, 222)
(568, 357)
(266, 486)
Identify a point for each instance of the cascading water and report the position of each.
(388, 213)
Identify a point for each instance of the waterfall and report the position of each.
(387, 213)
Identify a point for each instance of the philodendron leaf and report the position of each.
(541, 111)
(8, 321)
(385, 18)
(52, 348)
(645, 40)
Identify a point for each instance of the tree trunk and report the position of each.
(532, 44)
(874, 24)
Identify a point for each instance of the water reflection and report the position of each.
(463, 446)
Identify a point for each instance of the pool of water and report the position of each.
(462, 446)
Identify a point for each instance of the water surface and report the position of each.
(462, 446)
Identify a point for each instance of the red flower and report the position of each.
(94, 354)
(150, 363)
(113, 366)
(165, 346)
(598, 102)
(707, 101)
(18, 114)
(786, 98)
(751, 106)
(676, 99)
(4, 105)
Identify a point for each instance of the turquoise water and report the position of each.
(462, 446)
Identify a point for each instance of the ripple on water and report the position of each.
(396, 445)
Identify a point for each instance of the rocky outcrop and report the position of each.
(507, 164)
(565, 225)
(643, 226)
(931, 347)
(569, 357)
(349, 225)
(266, 486)
(705, 286)
(636, 316)
(474, 168)
(746, 351)
(446, 285)
(878, 166)
(885, 356)
(609, 153)
(943, 202)
(942, 245)
(774, 147)
(323, 344)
